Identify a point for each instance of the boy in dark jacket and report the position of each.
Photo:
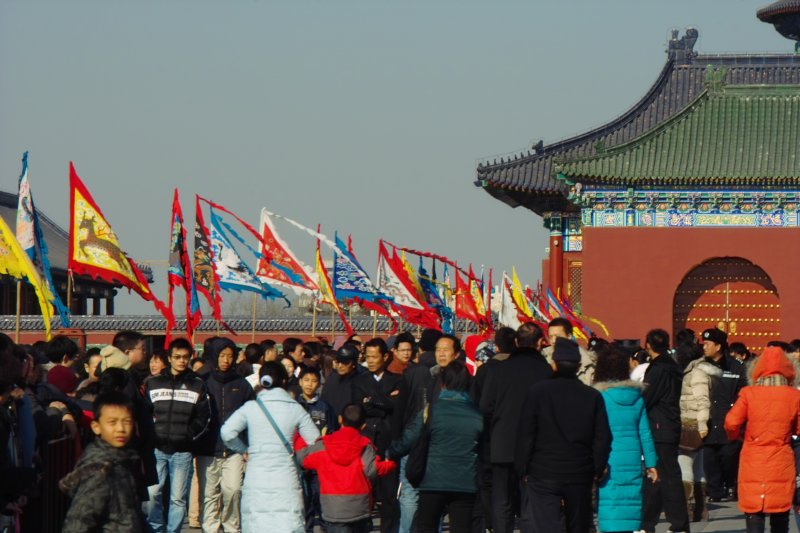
(102, 487)
(347, 466)
(324, 418)
(220, 471)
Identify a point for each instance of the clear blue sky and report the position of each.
(366, 116)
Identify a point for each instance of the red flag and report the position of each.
(277, 261)
(94, 249)
(465, 305)
(179, 273)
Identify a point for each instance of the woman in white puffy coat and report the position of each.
(272, 497)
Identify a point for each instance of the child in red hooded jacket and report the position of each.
(347, 466)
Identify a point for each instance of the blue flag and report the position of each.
(31, 239)
(234, 274)
(349, 278)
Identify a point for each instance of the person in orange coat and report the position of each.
(771, 409)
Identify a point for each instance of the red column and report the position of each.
(556, 264)
(556, 277)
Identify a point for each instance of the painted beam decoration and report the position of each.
(687, 208)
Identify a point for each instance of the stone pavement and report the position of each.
(725, 518)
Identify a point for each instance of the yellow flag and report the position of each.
(518, 295)
(412, 276)
(477, 297)
(16, 263)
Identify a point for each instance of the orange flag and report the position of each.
(94, 249)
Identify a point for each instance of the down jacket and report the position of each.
(771, 413)
(620, 491)
(180, 409)
(271, 493)
(695, 393)
(347, 468)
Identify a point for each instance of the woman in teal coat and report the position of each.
(620, 491)
(451, 473)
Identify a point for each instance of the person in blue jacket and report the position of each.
(620, 490)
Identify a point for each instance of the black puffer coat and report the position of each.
(180, 408)
(724, 391)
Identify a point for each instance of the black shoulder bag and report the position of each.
(417, 460)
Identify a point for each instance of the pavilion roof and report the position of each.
(737, 135)
(530, 179)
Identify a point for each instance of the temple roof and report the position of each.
(739, 135)
(529, 178)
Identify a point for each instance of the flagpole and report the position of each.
(19, 306)
(374, 324)
(255, 304)
(69, 291)
(333, 323)
(314, 320)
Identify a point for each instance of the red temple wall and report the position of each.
(630, 275)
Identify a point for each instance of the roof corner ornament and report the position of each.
(682, 50)
(714, 79)
(538, 147)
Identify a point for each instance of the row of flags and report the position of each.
(268, 268)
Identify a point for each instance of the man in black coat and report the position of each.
(564, 444)
(377, 390)
(662, 394)
(338, 388)
(504, 389)
(721, 457)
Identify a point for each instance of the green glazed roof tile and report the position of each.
(747, 134)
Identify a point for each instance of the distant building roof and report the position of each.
(55, 236)
(738, 135)
(529, 179)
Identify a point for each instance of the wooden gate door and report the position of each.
(731, 294)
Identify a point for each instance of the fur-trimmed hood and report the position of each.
(705, 366)
(621, 392)
(760, 367)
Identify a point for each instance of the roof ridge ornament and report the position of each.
(682, 50)
(714, 79)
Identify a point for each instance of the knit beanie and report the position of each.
(62, 378)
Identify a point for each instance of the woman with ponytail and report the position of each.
(272, 493)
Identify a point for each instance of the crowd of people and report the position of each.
(521, 430)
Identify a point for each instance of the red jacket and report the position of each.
(772, 416)
(347, 466)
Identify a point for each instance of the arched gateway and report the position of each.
(732, 294)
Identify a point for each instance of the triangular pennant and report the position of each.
(278, 263)
(94, 248)
(206, 280)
